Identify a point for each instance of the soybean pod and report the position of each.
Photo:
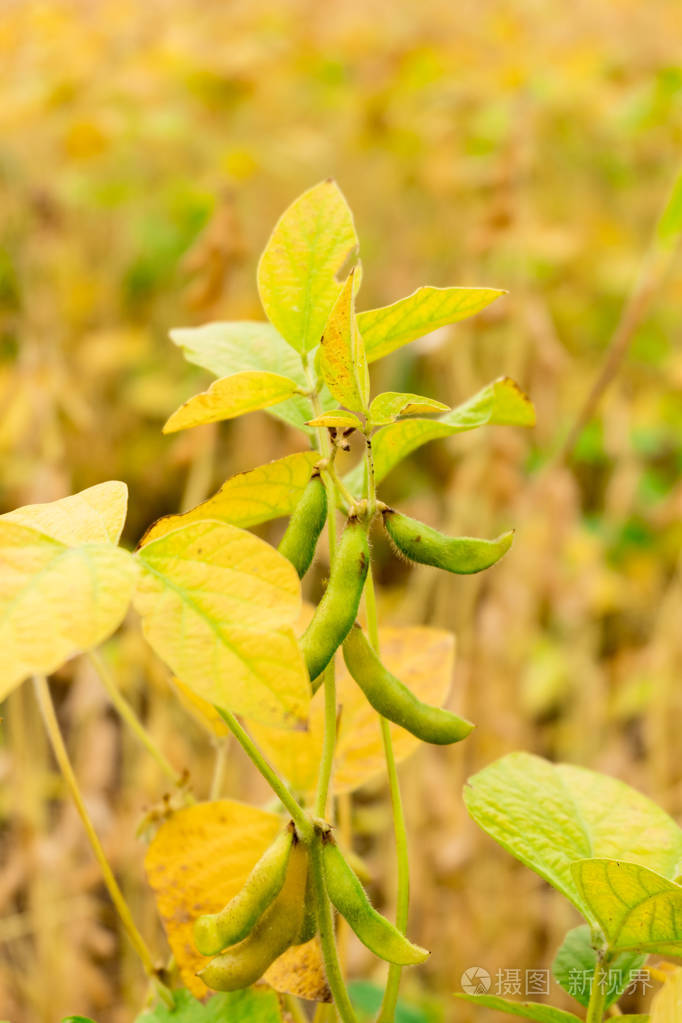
(393, 700)
(215, 931)
(460, 554)
(338, 608)
(373, 929)
(277, 929)
(305, 525)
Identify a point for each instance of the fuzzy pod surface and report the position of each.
(215, 931)
(394, 700)
(338, 608)
(462, 555)
(305, 525)
(373, 929)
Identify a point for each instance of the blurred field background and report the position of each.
(146, 150)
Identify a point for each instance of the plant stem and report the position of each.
(54, 734)
(388, 1006)
(219, 765)
(128, 715)
(595, 1010)
(329, 743)
(325, 926)
(298, 815)
(294, 1009)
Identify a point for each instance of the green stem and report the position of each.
(298, 815)
(293, 1007)
(329, 743)
(128, 715)
(61, 755)
(325, 926)
(388, 1007)
(596, 1008)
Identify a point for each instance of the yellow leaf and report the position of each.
(248, 498)
(338, 420)
(55, 601)
(424, 310)
(199, 859)
(95, 515)
(667, 1004)
(201, 710)
(342, 353)
(297, 272)
(232, 396)
(421, 657)
(216, 605)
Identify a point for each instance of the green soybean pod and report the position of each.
(276, 930)
(338, 608)
(460, 554)
(309, 924)
(393, 700)
(373, 929)
(215, 931)
(305, 525)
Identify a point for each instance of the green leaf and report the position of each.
(249, 498)
(426, 309)
(366, 998)
(217, 605)
(55, 601)
(527, 1010)
(297, 274)
(95, 515)
(339, 419)
(500, 403)
(227, 348)
(388, 406)
(230, 397)
(577, 959)
(253, 1005)
(635, 907)
(549, 815)
(342, 354)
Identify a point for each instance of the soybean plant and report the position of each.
(247, 893)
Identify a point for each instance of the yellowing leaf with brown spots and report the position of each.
(217, 604)
(95, 515)
(55, 600)
(421, 657)
(249, 498)
(199, 859)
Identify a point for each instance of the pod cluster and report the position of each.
(271, 912)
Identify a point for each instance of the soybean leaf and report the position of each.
(426, 309)
(230, 397)
(500, 403)
(423, 657)
(249, 498)
(340, 419)
(226, 348)
(95, 515)
(199, 859)
(342, 354)
(577, 959)
(217, 604)
(635, 907)
(297, 273)
(253, 1005)
(388, 406)
(667, 1004)
(55, 601)
(549, 815)
(527, 1010)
